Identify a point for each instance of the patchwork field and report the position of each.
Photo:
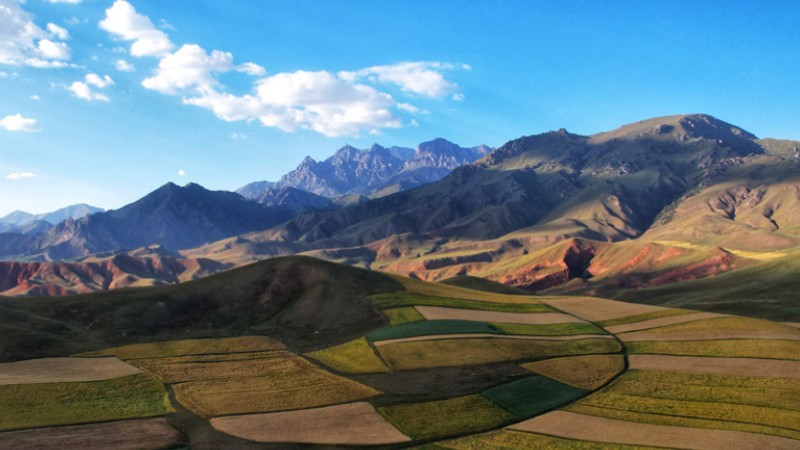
(442, 367)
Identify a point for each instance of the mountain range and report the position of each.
(659, 201)
(27, 223)
(373, 172)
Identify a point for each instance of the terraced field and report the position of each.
(450, 368)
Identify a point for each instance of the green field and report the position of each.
(533, 395)
(556, 329)
(398, 299)
(403, 315)
(645, 316)
(49, 404)
(444, 418)
(191, 347)
(475, 351)
(432, 327)
(747, 348)
(730, 324)
(352, 357)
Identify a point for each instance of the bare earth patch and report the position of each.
(661, 322)
(599, 429)
(439, 337)
(350, 424)
(752, 367)
(56, 370)
(442, 313)
(596, 309)
(707, 336)
(122, 435)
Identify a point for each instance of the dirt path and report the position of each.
(350, 424)
(599, 429)
(597, 309)
(55, 370)
(442, 313)
(121, 435)
(661, 322)
(748, 367)
(437, 337)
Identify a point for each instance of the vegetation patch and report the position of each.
(743, 324)
(748, 348)
(476, 351)
(432, 327)
(543, 318)
(596, 309)
(443, 290)
(533, 395)
(510, 439)
(403, 315)
(398, 299)
(450, 417)
(645, 316)
(585, 372)
(553, 329)
(221, 367)
(50, 404)
(355, 356)
(191, 347)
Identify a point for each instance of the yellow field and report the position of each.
(399, 316)
(191, 347)
(351, 357)
(749, 348)
(474, 351)
(586, 372)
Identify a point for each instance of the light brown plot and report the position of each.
(599, 429)
(753, 367)
(707, 336)
(350, 424)
(661, 322)
(439, 337)
(55, 370)
(443, 313)
(596, 309)
(121, 435)
(586, 372)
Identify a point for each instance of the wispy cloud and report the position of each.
(19, 123)
(23, 43)
(20, 175)
(124, 66)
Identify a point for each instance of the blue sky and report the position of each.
(102, 101)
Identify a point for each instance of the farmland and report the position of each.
(441, 366)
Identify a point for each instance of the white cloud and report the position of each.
(124, 66)
(189, 67)
(458, 97)
(334, 104)
(181, 173)
(252, 69)
(123, 21)
(22, 42)
(35, 97)
(57, 31)
(419, 77)
(20, 175)
(19, 123)
(98, 81)
(83, 89)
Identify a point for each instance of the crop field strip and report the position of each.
(658, 322)
(484, 350)
(437, 329)
(591, 428)
(596, 309)
(755, 367)
(244, 344)
(346, 424)
(62, 370)
(403, 315)
(51, 404)
(507, 439)
(645, 317)
(528, 318)
(735, 348)
(405, 299)
(588, 372)
(119, 435)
